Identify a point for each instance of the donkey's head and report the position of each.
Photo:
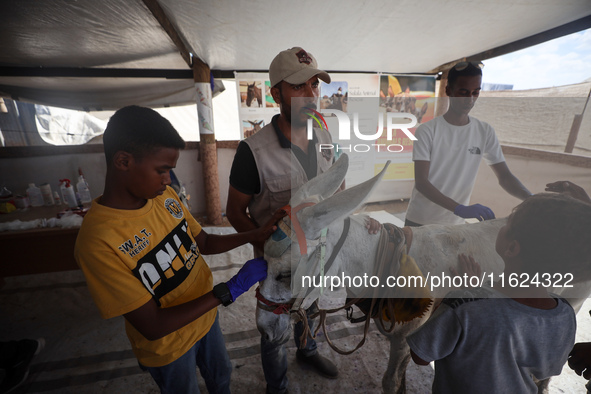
(294, 249)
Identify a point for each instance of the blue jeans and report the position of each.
(274, 356)
(209, 354)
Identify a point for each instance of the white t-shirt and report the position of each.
(454, 154)
(482, 343)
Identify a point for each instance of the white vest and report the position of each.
(280, 172)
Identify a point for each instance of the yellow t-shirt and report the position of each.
(131, 256)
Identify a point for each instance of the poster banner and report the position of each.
(255, 103)
(381, 111)
(373, 103)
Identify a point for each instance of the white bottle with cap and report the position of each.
(57, 198)
(47, 194)
(35, 196)
(68, 194)
(83, 190)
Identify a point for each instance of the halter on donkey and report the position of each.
(315, 209)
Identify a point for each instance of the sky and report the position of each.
(562, 61)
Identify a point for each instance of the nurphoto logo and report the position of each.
(394, 121)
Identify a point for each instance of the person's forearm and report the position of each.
(427, 189)
(240, 221)
(514, 187)
(215, 244)
(417, 359)
(172, 320)
(155, 323)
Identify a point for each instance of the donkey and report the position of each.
(315, 207)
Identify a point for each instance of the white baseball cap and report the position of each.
(295, 66)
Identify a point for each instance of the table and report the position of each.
(37, 250)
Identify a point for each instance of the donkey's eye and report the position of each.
(283, 275)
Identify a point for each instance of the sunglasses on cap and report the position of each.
(463, 65)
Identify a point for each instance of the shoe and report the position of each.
(322, 365)
(17, 373)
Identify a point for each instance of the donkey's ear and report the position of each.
(316, 217)
(325, 184)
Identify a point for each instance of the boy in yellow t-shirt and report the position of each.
(141, 253)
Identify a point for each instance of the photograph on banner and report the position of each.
(373, 137)
(406, 94)
(334, 95)
(251, 126)
(251, 93)
(368, 136)
(254, 102)
(269, 101)
(410, 94)
(365, 141)
(401, 140)
(358, 85)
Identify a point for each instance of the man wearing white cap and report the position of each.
(270, 164)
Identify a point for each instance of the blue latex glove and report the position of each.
(477, 211)
(251, 272)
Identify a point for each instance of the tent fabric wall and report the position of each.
(538, 118)
(382, 35)
(17, 125)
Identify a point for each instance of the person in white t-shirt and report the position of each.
(447, 154)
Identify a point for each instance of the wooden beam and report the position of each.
(161, 17)
(201, 74)
(8, 152)
(81, 72)
(560, 31)
(190, 58)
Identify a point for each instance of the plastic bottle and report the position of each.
(57, 199)
(47, 194)
(68, 194)
(21, 202)
(82, 187)
(34, 194)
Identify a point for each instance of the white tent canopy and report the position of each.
(89, 54)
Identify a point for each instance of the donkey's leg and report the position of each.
(543, 386)
(394, 380)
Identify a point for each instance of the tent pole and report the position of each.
(442, 101)
(574, 129)
(207, 145)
